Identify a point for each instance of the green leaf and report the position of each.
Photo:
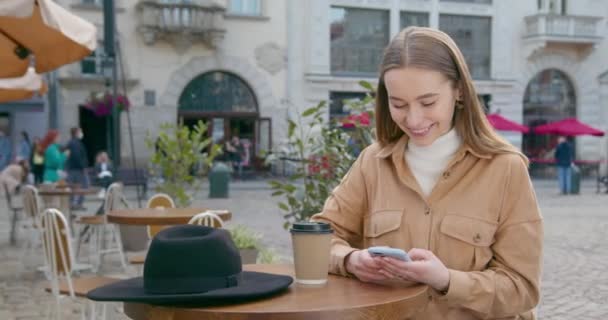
(366, 85)
(308, 112)
(292, 128)
(283, 206)
(277, 193)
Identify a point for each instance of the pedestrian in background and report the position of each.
(6, 150)
(14, 175)
(54, 159)
(37, 161)
(25, 147)
(564, 157)
(104, 172)
(76, 165)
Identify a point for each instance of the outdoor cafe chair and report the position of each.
(59, 260)
(31, 208)
(159, 200)
(16, 211)
(98, 227)
(208, 219)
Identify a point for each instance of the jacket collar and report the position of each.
(399, 146)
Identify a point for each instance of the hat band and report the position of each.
(187, 285)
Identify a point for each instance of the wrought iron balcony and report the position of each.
(563, 29)
(181, 22)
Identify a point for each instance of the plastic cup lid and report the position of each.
(311, 227)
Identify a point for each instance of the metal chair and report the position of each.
(207, 218)
(159, 200)
(31, 208)
(99, 226)
(59, 261)
(16, 211)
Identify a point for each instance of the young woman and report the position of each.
(54, 159)
(442, 185)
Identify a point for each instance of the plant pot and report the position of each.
(249, 256)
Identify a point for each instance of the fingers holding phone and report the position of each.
(366, 268)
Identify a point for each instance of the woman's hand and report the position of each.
(365, 267)
(425, 267)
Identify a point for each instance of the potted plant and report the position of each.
(178, 155)
(247, 241)
(323, 152)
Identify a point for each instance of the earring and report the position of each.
(459, 104)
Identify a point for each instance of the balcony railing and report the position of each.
(174, 21)
(568, 28)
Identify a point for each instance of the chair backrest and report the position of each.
(57, 245)
(31, 203)
(207, 218)
(7, 194)
(113, 195)
(159, 200)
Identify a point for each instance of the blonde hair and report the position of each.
(432, 49)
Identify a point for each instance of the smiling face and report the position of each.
(421, 103)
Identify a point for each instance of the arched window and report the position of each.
(217, 92)
(549, 97)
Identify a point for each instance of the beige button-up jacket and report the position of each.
(481, 219)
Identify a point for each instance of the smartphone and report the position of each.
(395, 253)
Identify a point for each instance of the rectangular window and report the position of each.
(357, 40)
(336, 103)
(470, 1)
(473, 37)
(245, 7)
(93, 64)
(95, 2)
(418, 19)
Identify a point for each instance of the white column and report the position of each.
(394, 18)
(318, 51)
(434, 16)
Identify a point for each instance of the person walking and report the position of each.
(54, 159)
(6, 150)
(564, 157)
(25, 147)
(77, 164)
(37, 161)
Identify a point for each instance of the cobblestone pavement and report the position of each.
(575, 281)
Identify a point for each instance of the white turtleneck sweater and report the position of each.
(427, 163)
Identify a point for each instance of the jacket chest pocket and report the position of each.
(383, 228)
(464, 242)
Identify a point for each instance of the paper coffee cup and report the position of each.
(311, 245)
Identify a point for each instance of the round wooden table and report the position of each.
(160, 216)
(341, 298)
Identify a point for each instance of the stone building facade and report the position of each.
(244, 66)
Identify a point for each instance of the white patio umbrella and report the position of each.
(24, 87)
(41, 28)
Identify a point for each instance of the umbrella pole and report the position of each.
(124, 89)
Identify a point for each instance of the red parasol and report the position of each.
(503, 124)
(568, 127)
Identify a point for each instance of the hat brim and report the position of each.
(253, 286)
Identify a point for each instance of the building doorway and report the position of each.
(95, 130)
(549, 97)
(227, 104)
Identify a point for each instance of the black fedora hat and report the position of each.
(191, 264)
